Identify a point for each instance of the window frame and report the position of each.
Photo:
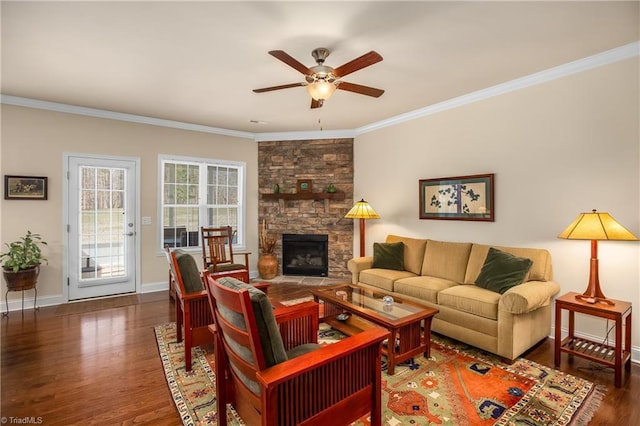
(203, 164)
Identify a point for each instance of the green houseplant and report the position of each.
(21, 262)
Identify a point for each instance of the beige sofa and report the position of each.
(443, 274)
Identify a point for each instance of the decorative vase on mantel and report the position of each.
(267, 266)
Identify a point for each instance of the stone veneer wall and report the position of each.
(324, 161)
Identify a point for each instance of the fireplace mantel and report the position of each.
(305, 196)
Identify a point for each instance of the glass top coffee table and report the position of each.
(346, 305)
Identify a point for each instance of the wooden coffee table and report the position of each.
(404, 320)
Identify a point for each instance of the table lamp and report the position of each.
(596, 226)
(362, 210)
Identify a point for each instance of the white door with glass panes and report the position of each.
(199, 192)
(101, 231)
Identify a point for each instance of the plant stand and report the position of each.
(35, 299)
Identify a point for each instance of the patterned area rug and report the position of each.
(458, 385)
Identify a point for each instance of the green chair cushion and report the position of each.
(388, 256)
(189, 272)
(224, 267)
(302, 349)
(270, 338)
(502, 270)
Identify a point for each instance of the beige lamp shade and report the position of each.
(362, 210)
(596, 226)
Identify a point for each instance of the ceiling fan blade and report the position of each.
(357, 64)
(289, 60)
(363, 90)
(316, 104)
(283, 86)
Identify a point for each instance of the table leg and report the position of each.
(627, 341)
(558, 336)
(572, 325)
(618, 352)
(391, 353)
(426, 338)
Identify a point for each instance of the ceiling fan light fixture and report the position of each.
(321, 90)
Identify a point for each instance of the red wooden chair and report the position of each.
(218, 256)
(269, 367)
(193, 312)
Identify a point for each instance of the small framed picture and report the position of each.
(457, 198)
(25, 187)
(304, 185)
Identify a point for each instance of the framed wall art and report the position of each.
(25, 187)
(304, 185)
(457, 198)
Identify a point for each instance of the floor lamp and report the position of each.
(596, 226)
(362, 210)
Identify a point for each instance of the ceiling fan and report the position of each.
(321, 80)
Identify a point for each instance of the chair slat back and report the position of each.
(235, 322)
(217, 246)
(175, 271)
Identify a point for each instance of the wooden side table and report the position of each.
(614, 356)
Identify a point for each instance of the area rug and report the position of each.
(457, 385)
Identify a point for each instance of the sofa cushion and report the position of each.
(540, 270)
(502, 270)
(388, 256)
(382, 278)
(446, 260)
(413, 252)
(189, 272)
(423, 288)
(471, 299)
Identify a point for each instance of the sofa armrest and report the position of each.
(529, 296)
(358, 264)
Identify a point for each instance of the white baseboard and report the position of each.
(16, 304)
(635, 350)
(153, 287)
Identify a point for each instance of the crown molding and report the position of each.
(112, 115)
(621, 53)
(608, 57)
(305, 135)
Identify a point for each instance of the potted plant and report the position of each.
(21, 262)
(267, 262)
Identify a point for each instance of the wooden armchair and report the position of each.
(218, 256)
(269, 367)
(193, 312)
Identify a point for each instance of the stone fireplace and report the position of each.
(305, 254)
(316, 213)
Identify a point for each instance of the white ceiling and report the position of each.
(197, 62)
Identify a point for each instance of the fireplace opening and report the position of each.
(305, 254)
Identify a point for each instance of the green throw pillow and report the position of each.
(502, 270)
(189, 272)
(388, 256)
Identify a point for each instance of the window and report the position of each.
(200, 192)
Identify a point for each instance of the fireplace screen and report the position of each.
(305, 254)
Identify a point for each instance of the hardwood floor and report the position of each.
(97, 363)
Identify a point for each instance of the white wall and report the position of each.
(33, 143)
(557, 149)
